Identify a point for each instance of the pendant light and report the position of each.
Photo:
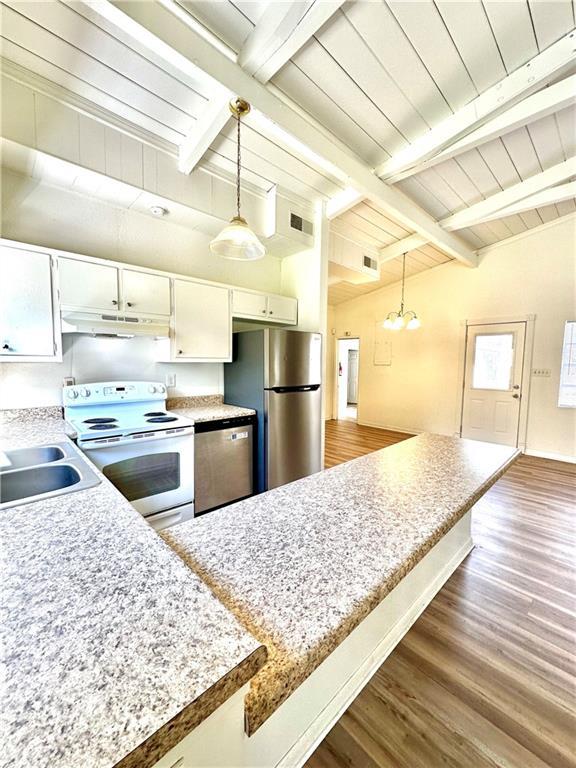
(395, 321)
(237, 241)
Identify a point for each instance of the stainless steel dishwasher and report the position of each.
(223, 462)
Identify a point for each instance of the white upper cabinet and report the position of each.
(247, 304)
(145, 294)
(88, 287)
(202, 323)
(282, 309)
(29, 324)
(268, 308)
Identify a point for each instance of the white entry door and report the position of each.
(493, 382)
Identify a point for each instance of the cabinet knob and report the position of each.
(6, 346)
(263, 311)
(129, 304)
(179, 351)
(271, 312)
(114, 302)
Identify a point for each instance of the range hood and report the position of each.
(115, 325)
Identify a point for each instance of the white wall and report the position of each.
(50, 216)
(421, 390)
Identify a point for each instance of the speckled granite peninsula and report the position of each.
(302, 565)
(112, 649)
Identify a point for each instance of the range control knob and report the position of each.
(161, 388)
(84, 392)
(152, 388)
(72, 394)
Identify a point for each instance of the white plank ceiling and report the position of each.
(378, 75)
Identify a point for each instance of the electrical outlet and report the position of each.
(170, 380)
(542, 372)
(69, 381)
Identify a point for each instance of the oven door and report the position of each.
(154, 474)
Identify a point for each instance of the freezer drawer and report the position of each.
(293, 435)
(223, 466)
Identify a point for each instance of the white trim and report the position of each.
(411, 431)
(203, 132)
(161, 30)
(342, 202)
(548, 455)
(483, 210)
(523, 81)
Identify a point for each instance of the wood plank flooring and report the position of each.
(487, 675)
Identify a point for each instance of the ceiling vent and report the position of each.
(370, 263)
(300, 224)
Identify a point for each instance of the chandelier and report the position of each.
(396, 321)
(237, 241)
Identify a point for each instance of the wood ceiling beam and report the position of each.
(280, 33)
(155, 19)
(524, 81)
(545, 197)
(494, 206)
(342, 202)
(539, 105)
(282, 30)
(400, 247)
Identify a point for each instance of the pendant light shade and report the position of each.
(396, 321)
(237, 241)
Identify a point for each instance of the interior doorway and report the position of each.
(347, 363)
(492, 397)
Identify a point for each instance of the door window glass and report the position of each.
(567, 396)
(493, 360)
(145, 476)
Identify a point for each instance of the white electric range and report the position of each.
(145, 451)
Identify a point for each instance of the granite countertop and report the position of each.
(302, 565)
(199, 409)
(112, 649)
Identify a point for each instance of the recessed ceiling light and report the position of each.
(157, 210)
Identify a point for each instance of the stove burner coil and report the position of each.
(161, 419)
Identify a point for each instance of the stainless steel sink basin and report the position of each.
(31, 457)
(43, 471)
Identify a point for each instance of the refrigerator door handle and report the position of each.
(304, 388)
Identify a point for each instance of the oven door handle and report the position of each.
(145, 439)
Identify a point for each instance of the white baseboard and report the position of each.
(554, 456)
(410, 431)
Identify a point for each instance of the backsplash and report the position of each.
(89, 358)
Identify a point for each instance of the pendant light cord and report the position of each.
(238, 169)
(403, 278)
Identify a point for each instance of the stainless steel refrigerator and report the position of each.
(278, 373)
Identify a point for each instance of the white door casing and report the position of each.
(493, 382)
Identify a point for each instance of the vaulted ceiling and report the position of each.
(379, 79)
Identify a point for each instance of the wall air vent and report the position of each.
(300, 224)
(370, 262)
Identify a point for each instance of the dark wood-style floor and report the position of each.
(486, 677)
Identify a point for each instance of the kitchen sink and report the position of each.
(31, 457)
(32, 474)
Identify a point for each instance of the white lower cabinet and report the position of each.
(29, 321)
(260, 306)
(202, 323)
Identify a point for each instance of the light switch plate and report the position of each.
(170, 380)
(542, 372)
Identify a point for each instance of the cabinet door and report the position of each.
(86, 286)
(245, 304)
(145, 294)
(282, 309)
(202, 322)
(26, 309)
